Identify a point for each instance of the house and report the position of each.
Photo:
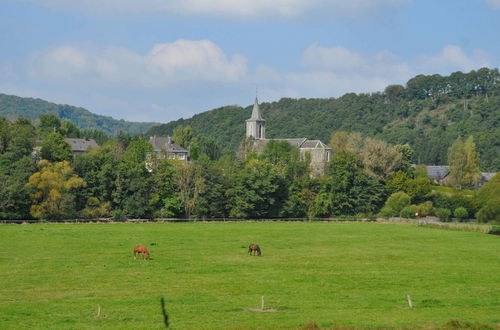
(438, 175)
(319, 152)
(165, 147)
(80, 146)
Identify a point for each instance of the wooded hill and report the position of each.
(13, 107)
(429, 113)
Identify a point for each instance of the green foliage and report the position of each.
(489, 200)
(408, 211)
(347, 190)
(95, 209)
(16, 107)
(463, 160)
(418, 189)
(258, 190)
(460, 213)
(428, 115)
(443, 214)
(425, 209)
(55, 149)
(395, 203)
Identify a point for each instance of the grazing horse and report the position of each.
(142, 250)
(255, 249)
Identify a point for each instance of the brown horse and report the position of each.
(142, 250)
(255, 249)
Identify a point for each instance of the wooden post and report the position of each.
(409, 302)
(262, 303)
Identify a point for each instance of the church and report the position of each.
(319, 152)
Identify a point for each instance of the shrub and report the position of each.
(408, 211)
(394, 204)
(461, 213)
(490, 211)
(443, 214)
(495, 230)
(425, 208)
(118, 214)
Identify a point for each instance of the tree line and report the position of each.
(366, 177)
(429, 113)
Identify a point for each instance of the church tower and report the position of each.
(256, 126)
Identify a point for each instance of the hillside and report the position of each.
(12, 107)
(429, 113)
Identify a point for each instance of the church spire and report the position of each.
(256, 111)
(255, 124)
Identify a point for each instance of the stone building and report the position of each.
(165, 147)
(319, 152)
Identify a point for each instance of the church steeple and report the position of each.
(256, 125)
(256, 111)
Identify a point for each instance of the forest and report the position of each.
(123, 178)
(450, 120)
(429, 114)
(13, 107)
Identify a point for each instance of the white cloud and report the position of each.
(494, 3)
(333, 71)
(167, 63)
(162, 81)
(452, 57)
(226, 8)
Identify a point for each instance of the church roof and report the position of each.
(256, 112)
(314, 144)
(301, 143)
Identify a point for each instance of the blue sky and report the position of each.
(160, 60)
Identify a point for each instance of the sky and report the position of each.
(161, 60)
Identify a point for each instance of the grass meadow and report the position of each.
(53, 276)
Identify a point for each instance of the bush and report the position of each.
(495, 230)
(443, 214)
(425, 208)
(490, 211)
(394, 204)
(118, 214)
(408, 211)
(461, 213)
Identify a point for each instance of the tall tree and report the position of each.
(463, 160)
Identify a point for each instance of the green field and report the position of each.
(334, 274)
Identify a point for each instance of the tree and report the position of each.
(183, 135)
(132, 194)
(488, 199)
(380, 159)
(49, 124)
(257, 191)
(463, 160)
(14, 196)
(190, 184)
(55, 149)
(346, 190)
(418, 189)
(53, 190)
